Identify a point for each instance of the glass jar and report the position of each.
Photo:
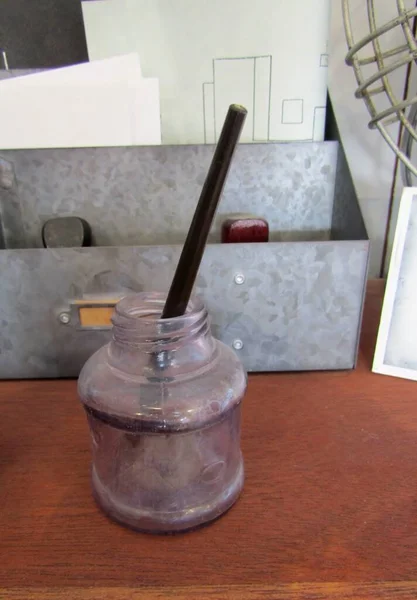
(163, 402)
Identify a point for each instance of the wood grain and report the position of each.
(330, 497)
(291, 591)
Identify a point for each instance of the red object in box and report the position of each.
(244, 229)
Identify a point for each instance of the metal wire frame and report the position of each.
(378, 84)
(3, 54)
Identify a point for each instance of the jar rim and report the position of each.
(143, 307)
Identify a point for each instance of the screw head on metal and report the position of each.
(237, 344)
(239, 278)
(64, 318)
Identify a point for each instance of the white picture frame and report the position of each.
(396, 346)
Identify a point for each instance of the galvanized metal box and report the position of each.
(292, 304)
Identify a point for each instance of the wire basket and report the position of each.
(379, 67)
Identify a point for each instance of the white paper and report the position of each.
(99, 16)
(146, 112)
(92, 104)
(268, 55)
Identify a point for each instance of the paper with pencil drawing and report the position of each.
(269, 55)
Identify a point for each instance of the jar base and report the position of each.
(168, 523)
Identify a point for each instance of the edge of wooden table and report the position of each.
(291, 591)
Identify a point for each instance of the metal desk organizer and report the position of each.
(294, 303)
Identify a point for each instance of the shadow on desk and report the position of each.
(370, 322)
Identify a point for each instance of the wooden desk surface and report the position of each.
(329, 508)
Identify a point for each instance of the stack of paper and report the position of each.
(101, 103)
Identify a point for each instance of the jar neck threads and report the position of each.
(137, 324)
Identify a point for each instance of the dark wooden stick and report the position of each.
(192, 252)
